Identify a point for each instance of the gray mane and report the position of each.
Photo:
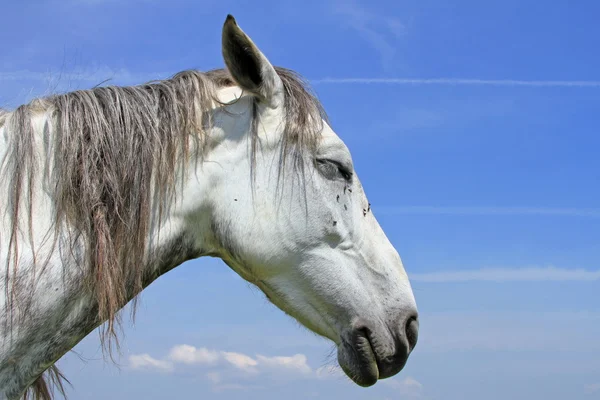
(3, 114)
(115, 151)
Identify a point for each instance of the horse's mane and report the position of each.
(116, 151)
(3, 114)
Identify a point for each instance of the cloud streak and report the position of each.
(101, 73)
(530, 274)
(456, 82)
(546, 211)
(380, 31)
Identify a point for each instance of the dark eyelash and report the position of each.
(346, 174)
(343, 171)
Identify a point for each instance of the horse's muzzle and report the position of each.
(369, 352)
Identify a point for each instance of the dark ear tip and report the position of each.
(230, 20)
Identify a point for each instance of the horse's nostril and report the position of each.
(412, 332)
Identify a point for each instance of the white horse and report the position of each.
(104, 190)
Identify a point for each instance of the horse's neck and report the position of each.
(57, 310)
(64, 313)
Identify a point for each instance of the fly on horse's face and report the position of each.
(301, 230)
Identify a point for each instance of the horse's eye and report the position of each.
(334, 170)
(347, 175)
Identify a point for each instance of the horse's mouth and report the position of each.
(358, 359)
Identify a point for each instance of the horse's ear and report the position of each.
(248, 66)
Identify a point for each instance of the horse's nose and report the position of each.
(405, 336)
(411, 331)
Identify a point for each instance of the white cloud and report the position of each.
(458, 82)
(190, 355)
(240, 361)
(145, 361)
(296, 362)
(229, 367)
(528, 274)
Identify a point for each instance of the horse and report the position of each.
(104, 190)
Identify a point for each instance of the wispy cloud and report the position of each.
(241, 361)
(226, 370)
(478, 210)
(379, 31)
(147, 362)
(408, 387)
(530, 274)
(189, 355)
(297, 363)
(456, 82)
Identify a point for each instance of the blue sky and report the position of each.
(473, 126)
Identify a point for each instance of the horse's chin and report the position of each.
(358, 360)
